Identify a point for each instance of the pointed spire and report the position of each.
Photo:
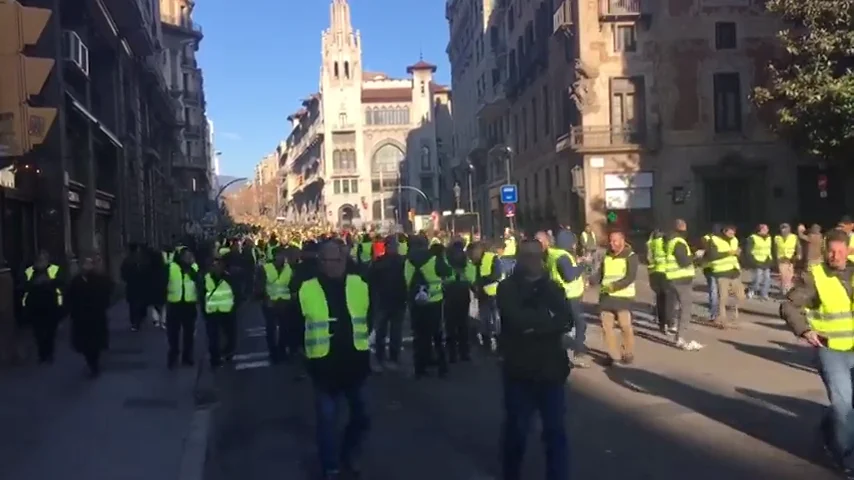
(339, 13)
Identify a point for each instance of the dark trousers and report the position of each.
(44, 331)
(521, 400)
(180, 329)
(388, 323)
(220, 325)
(659, 286)
(93, 361)
(331, 447)
(427, 333)
(457, 329)
(276, 330)
(137, 310)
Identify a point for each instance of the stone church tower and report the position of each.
(340, 87)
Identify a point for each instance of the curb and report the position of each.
(195, 451)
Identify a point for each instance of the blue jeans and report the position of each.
(521, 400)
(712, 282)
(761, 282)
(580, 326)
(331, 448)
(836, 371)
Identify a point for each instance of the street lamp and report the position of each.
(457, 191)
(578, 180)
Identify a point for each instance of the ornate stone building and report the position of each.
(367, 147)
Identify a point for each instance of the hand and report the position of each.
(812, 338)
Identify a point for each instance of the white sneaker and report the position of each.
(691, 346)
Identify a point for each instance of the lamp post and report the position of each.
(506, 153)
(457, 191)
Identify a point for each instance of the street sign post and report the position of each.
(509, 210)
(509, 194)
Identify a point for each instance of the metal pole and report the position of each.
(507, 156)
(471, 191)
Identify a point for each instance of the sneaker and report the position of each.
(691, 346)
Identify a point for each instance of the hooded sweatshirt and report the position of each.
(565, 240)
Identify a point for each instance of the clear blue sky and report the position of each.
(260, 58)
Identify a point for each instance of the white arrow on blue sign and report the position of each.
(509, 194)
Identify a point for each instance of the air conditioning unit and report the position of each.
(75, 51)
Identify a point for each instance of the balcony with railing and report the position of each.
(562, 19)
(307, 140)
(609, 138)
(192, 130)
(182, 22)
(619, 10)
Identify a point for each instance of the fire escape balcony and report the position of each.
(134, 23)
(611, 138)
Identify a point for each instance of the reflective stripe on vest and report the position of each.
(428, 270)
(761, 248)
(52, 272)
(315, 309)
(656, 255)
(834, 317)
(277, 282)
(573, 289)
(673, 271)
(786, 246)
(615, 269)
(219, 298)
(181, 287)
(485, 270)
(727, 263)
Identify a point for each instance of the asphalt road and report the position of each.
(744, 407)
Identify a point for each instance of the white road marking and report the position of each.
(257, 334)
(250, 365)
(256, 329)
(245, 357)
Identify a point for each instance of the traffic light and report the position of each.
(21, 126)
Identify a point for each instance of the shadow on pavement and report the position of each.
(795, 433)
(794, 356)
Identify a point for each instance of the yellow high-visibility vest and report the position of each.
(761, 251)
(673, 271)
(315, 309)
(728, 263)
(510, 247)
(434, 282)
(573, 289)
(834, 317)
(219, 298)
(277, 282)
(485, 270)
(615, 269)
(786, 246)
(467, 274)
(181, 288)
(52, 272)
(656, 255)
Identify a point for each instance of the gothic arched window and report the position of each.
(406, 115)
(346, 69)
(369, 120)
(335, 69)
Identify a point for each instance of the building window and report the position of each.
(536, 186)
(345, 186)
(535, 117)
(354, 185)
(344, 161)
(516, 132)
(189, 149)
(335, 69)
(425, 158)
(387, 116)
(336, 187)
(524, 128)
(627, 109)
(725, 36)
(547, 111)
(548, 181)
(511, 20)
(727, 88)
(347, 69)
(369, 118)
(625, 39)
(427, 186)
(342, 119)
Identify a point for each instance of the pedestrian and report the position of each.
(42, 303)
(488, 269)
(136, 274)
(787, 251)
(535, 317)
(819, 311)
(565, 270)
(89, 296)
(388, 304)
(458, 292)
(277, 296)
(679, 274)
(721, 258)
(181, 308)
(334, 309)
(618, 274)
(424, 273)
(657, 264)
(760, 255)
(220, 321)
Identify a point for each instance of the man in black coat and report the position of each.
(535, 316)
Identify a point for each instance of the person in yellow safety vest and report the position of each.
(333, 307)
(402, 244)
(168, 255)
(424, 273)
(220, 318)
(721, 258)
(711, 280)
(846, 224)
(489, 273)
(457, 293)
(43, 303)
(760, 254)
(510, 246)
(656, 260)
(271, 246)
(182, 299)
(366, 250)
(565, 270)
(278, 275)
(589, 245)
(679, 272)
(787, 251)
(819, 310)
(618, 274)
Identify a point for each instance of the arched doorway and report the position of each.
(346, 214)
(386, 165)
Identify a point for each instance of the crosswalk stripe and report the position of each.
(249, 365)
(256, 334)
(256, 329)
(245, 357)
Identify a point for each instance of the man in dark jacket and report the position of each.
(535, 318)
(388, 298)
(338, 356)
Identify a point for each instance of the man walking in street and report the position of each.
(334, 309)
(388, 292)
(535, 365)
(181, 308)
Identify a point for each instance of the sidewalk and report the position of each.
(129, 424)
